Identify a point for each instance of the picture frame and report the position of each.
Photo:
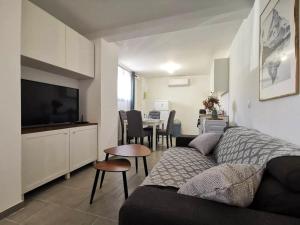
(279, 50)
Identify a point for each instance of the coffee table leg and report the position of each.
(125, 184)
(136, 165)
(145, 165)
(103, 173)
(102, 179)
(94, 186)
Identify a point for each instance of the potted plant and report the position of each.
(210, 104)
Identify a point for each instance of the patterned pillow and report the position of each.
(205, 142)
(248, 146)
(232, 184)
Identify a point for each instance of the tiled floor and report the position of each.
(66, 202)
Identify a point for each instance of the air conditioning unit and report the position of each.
(179, 82)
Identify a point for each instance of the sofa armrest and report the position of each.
(154, 206)
(184, 140)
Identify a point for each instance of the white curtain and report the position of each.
(124, 89)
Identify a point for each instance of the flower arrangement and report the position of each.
(210, 103)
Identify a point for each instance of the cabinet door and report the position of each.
(43, 36)
(45, 156)
(83, 146)
(79, 53)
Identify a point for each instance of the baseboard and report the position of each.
(11, 210)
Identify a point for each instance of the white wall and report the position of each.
(280, 117)
(10, 104)
(109, 104)
(185, 100)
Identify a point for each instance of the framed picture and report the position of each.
(279, 50)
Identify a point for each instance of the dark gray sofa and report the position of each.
(156, 203)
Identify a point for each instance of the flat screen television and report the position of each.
(45, 104)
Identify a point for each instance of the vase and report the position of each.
(214, 114)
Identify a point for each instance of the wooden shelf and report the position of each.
(28, 130)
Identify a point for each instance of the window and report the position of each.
(125, 89)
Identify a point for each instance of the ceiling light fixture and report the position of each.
(170, 67)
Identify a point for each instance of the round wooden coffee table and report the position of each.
(134, 150)
(115, 165)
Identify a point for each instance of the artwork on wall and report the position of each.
(279, 61)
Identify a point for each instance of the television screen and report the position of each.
(44, 104)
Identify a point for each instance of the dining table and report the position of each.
(150, 123)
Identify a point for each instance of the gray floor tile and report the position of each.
(45, 192)
(102, 221)
(58, 215)
(31, 207)
(107, 206)
(6, 222)
(68, 197)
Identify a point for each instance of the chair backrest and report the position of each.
(135, 123)
(170, 121)
(123, 117)
(154, 114)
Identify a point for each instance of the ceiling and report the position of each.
(194, 49)
(89, 16)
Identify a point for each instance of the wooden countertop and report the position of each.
(28, 130)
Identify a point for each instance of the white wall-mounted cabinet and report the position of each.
(83, 146)
(43, 36)
(45, 156)
(79, 53)
(48, 155)
(50, 45)
(219, 78)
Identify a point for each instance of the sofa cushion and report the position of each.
(177, 165)
(154, 206)
(205, 143)
(248, 146)
(272, 196)
(232, 184)
(286, 169)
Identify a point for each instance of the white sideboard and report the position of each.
(50, 45)
(47, 155)
(207, 125)
(83, 146)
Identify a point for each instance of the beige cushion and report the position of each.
(205, 143)
(232, 184)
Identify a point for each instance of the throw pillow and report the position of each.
(205, 142)
(286, 170)
(232, 184)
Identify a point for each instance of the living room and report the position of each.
(63, 56)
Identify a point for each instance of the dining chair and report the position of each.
(168, 131)
(135, 129)
(123, 117)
